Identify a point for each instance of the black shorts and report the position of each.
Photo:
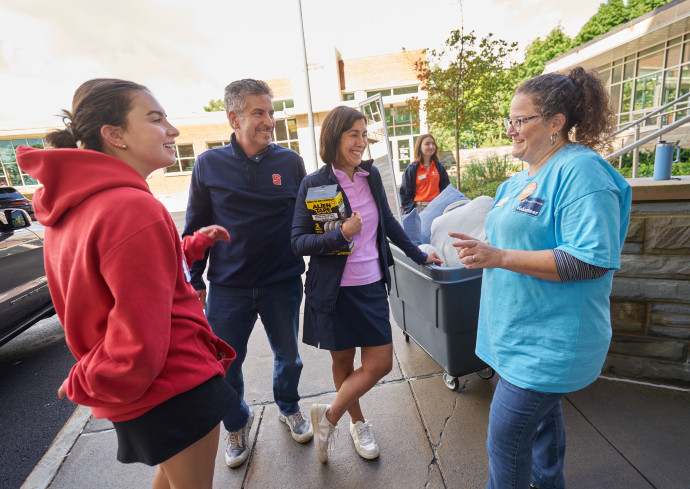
(174, 425)
(360, 318)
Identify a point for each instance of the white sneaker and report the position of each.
(323, 431)
(237, 449)
(364, 441)
(300, 427)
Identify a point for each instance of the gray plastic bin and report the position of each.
(439, 308)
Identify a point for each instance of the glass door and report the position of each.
(403, 153)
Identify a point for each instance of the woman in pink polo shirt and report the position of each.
(424, 179)
(346, 304)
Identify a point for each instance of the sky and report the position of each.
(186, 51)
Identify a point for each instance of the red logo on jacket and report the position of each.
(277, 179)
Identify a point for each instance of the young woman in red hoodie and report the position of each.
(117, 271)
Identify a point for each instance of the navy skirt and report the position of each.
(175, 424)
(360, 318)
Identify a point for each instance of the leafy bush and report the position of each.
(483, 178)
(648, 155)
(647, 169)
(646, 163)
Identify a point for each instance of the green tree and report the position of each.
(215, 105)
(641, 7)
(538, 52)
(445, 139)
(445, 136)
(610, 14)
(463, 81)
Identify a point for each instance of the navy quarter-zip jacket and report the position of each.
(254, 199)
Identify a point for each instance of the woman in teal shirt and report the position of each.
(554, 238)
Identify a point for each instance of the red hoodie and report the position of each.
(116, 273)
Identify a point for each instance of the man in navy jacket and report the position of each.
(250, 187)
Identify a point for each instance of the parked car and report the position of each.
(11, 199)
(24, 294)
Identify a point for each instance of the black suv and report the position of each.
(24, 294)
(11, 199)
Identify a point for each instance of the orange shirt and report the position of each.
(426, 185)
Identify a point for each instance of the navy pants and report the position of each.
(232, 312)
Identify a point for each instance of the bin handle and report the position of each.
(411, 269)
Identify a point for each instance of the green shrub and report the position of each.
(647, 169)
(483, 178)
(646, 157)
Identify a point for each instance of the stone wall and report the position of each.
(650, 300)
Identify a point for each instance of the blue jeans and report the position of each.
(526, 439)
(232, 312)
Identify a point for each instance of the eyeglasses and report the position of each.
(517, 123)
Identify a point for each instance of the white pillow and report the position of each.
(467, 219)
(455, 205)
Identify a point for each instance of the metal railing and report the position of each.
(637, 122)
(663, 129)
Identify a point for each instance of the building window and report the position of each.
(384, 93)
(184, 159)
(11, 174)
(402, 121)
(285, 134)
(405, 90)
(641, 82)
(348, 96)
(280, 105)
(216, 144)
(387, 92)
(372, 111)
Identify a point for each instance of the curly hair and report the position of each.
(582, 97)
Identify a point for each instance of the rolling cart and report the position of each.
(439, 308)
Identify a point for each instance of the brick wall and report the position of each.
(281, 88)
(650, 300)
(173, 189)
(387, 70)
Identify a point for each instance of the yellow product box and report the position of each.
(327, 209)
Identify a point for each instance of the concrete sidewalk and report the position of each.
(621, 435)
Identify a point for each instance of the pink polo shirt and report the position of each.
(362, 266)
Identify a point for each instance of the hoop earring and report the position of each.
(553, 138)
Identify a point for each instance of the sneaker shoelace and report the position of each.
(332, 435)
(364, 432)
(297, 418)
(235, 439)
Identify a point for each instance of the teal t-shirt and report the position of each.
(546, 335)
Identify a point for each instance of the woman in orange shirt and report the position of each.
(425, 178)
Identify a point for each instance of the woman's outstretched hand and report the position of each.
(474, 253)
